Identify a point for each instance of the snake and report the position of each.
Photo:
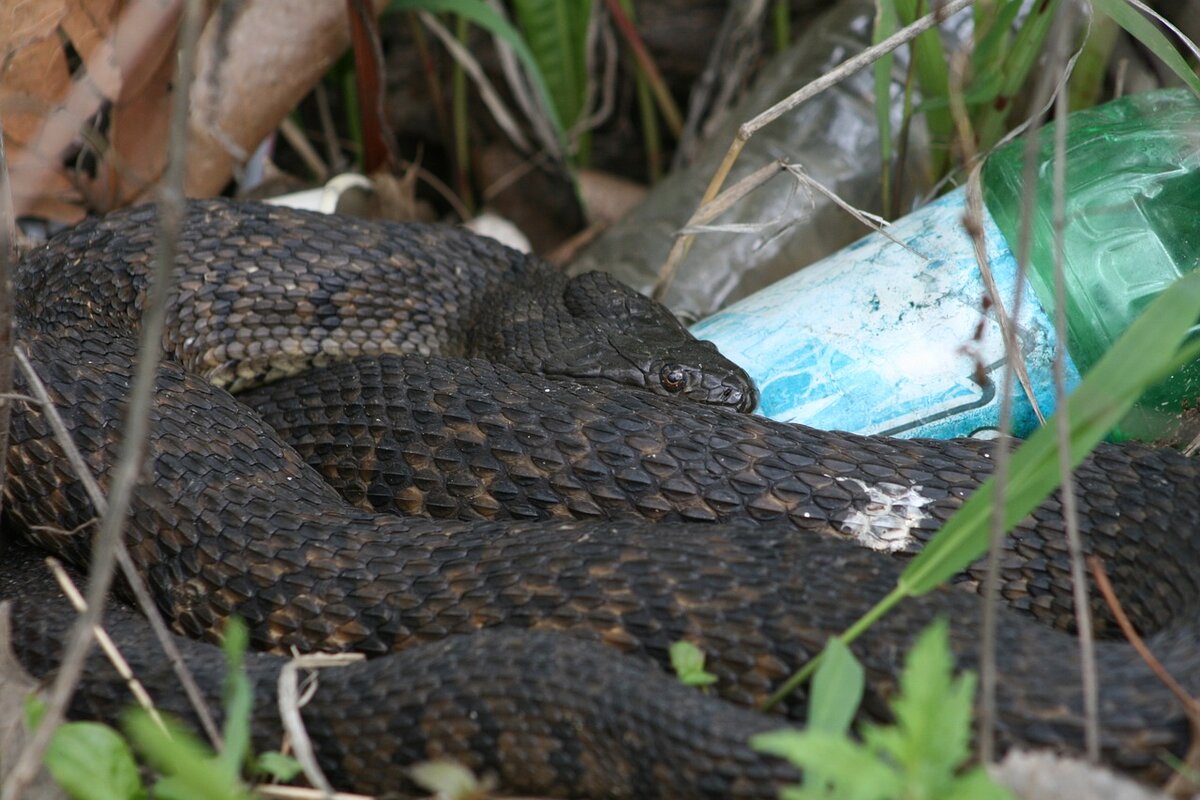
(516, 551)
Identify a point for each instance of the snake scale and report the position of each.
(518, 551)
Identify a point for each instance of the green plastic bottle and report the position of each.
(1132, 205)
(885, 339)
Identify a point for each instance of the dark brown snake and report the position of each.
(526, 502)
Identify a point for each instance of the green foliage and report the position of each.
(1001, 65)
(837, 689)
(91, 761)
(190, 770)
(556, 32)
(277, 766)
(1141, 29)
(688, 662)
(485, 17)
(1149, 350)
(448, 779)
(920, 756)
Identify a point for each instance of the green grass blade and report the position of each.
(556, 32)
(837, 689)
(933, 75)
(886, 22)
(1145, 32)
(1110, 389)
(993, 27)
(1019, 59)
(238, 702)
(483, 16)
(1149, 350)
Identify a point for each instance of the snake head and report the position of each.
(624, 337)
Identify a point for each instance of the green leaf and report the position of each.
(1145, 32)
(1018, 59)
(917, 757)
(277, 765)
(238, 703)
(556, 32)
(976, 784)
(91, 761)
(837, 689)
(848, 770)
(688, 662)
(486, 18)
(446, 778)
(933, 75)
(191, 771)
(932, 734)
(35, 709)
(993, 29)
(1106, 394)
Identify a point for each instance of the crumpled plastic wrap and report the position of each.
(833, 137)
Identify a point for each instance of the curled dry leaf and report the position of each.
(85, 93)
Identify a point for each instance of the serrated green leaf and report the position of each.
(976, 784)
(91, 761)
(847, 769)
(837, 689)
(932, 734)
(277, 765)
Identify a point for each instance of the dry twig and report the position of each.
(844, 70)
(1191, 706)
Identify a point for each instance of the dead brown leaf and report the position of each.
(85, 93)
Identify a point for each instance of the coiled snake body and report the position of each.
(527, 504)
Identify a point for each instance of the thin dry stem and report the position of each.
(1083, 615)
(487, 92)
(850, 66)
(304, 793)
(973, 223)
(1180, 784)
(726, 199)
(289, 712)
(304, 148)
(136, 428)
(106, 643)
(8, 240)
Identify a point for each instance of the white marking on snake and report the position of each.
(889, 517)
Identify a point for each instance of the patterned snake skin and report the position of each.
(525, 505)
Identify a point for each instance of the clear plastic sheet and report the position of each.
(833, 137)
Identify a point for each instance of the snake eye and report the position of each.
(673, 377)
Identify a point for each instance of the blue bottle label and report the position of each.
(881, 338)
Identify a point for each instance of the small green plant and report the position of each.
(920, 756)
(91, 761)
(688, 662)
(449, 780)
